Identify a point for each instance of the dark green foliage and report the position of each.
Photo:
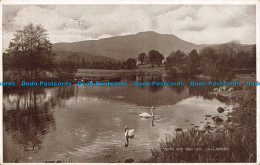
(130, 63)
(30, 52)
(252, 58)
(155, 57)
(141, 57)
(193, 62)
(176, 58)
(69, 65)
(218, 63)
(237, 148)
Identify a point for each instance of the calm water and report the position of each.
(86, 124)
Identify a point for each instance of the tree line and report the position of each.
(153, 57)
(218, 63)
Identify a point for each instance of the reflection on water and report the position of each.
(86, 124)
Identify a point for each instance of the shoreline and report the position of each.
(231, 124)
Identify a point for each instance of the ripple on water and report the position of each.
(93, 125)
(120, 97)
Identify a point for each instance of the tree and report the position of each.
(155, 57)
(141, 58)
(83, 64)
(208, 61)
(31, 50)
(7, 61)
(130, 63)
(194, 58)
(159, 58)
(216, 64)
(76, 59)
(242, 59)
(229, 49)
(193, 62)
(252, 58)
(69, 65)
(176, 60)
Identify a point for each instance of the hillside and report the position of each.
(129, 46)
(124, 47)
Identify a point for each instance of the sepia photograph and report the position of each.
(129, 83)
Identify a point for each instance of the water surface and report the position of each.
(86, 124)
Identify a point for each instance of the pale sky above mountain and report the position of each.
(199, 24)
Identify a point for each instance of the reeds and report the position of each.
(201, 147)
(230, 142)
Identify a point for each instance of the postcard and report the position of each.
(129, 81)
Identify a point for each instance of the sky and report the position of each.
(199, 24)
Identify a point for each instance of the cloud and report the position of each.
(210, 24)
(122, 20)
(200, 24)
(49, 19)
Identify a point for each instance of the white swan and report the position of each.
(147, 115)
(129, 133)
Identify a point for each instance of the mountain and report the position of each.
(124, 47)
(130, 46)
(61, 55)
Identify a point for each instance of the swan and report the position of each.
(129, 133)
(147, 115)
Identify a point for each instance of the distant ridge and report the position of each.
(129, 46)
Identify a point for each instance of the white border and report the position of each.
(139, 2)
(170, 2)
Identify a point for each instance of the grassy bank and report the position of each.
(102, 74)
(142, 68)
(221, 144)
(236, 138)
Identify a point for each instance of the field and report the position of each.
(103, 74)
